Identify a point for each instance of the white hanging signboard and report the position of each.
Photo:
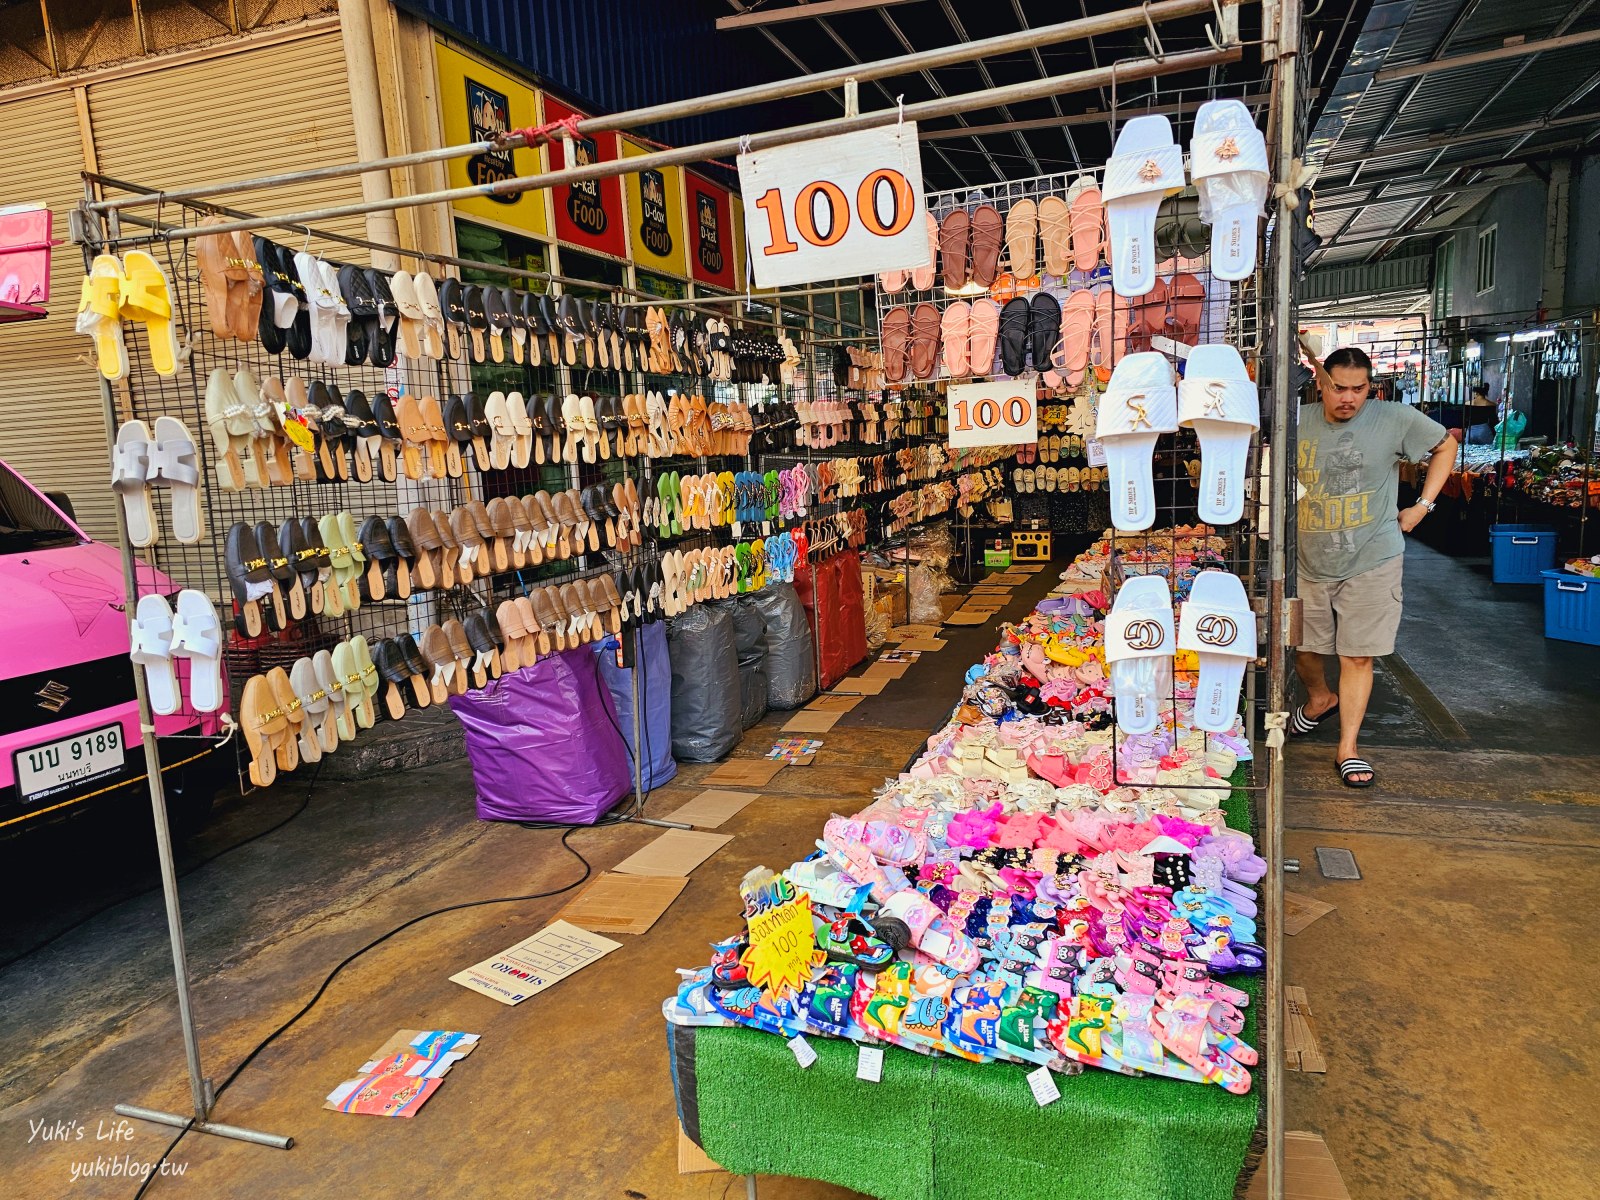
(1001, 413)
(835, 208)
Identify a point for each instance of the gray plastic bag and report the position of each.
(791, 654)
(750, 640)
(706, 708)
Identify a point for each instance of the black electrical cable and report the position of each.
(155, 1168)
(184, 874)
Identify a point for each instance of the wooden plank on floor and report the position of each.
(691, 1159)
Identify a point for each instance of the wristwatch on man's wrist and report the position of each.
(1427, 504)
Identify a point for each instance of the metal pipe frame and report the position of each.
(1077, 81)
(1284, 338)
(801, 12)
(1093, 117)
(1498, 54)
(700, 303)
(201, 1095)
(821, 81)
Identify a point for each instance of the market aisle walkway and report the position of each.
(1450, 984)
(569, 1095)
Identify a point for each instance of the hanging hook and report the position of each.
(1306, 16)
(1152, 41)
(900, 106)
(306, 249)
(1211, 33)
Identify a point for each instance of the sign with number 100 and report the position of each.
(992, 414)
(836, 207)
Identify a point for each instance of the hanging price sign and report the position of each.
(836, 207)
(992, 414)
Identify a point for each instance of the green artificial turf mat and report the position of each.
(946, 1129)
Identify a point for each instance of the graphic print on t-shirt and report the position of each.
(1334, 502)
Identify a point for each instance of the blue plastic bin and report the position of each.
(1522, 553)
(1571, 607)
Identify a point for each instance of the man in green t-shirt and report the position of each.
(1351, 540)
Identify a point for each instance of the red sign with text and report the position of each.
(588, 215)
(711, 246)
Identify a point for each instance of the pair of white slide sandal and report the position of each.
(1228, 163)
(159, 635)
(1217, 624)
(1217, 398)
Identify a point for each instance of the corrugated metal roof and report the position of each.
(1427, 130)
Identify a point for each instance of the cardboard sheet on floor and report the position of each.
(1028, 569)
(406, 1070)
(900, 655)
(903, 633)
(691, 1159)
(833, 704)
(991, 589)
(796, 751)
(1300, 1049)
(535, 963)
(862, 685)
(675, 852)
(1309, 1172)
(967, 616)
(885, 670)
(812, 722)
(1300, 911)
(711, 808)
(745, 772)
(616, 903)
(927, 645)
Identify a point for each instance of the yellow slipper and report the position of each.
(147, 297)
(100, 315)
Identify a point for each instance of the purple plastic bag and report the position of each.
(543, 743)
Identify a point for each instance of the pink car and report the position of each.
(69, 723)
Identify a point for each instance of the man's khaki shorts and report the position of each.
(1356, 617)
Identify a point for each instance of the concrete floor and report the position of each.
(1452, 984)
(1478, 850)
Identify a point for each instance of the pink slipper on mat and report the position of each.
(984, 327)
(955, 328)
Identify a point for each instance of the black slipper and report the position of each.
(1014, 321)
(552, 328)
(497, 315)
(1044, 329)
(363, 306)
(274, 340)
(453, 304)
(382, 347)
(476, 301)
(1300, 724)
(1357, 766)
(277, 265)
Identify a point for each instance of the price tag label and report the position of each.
(1043, 1086)
(835, 207)
(1096, 451)
(992, 414)
(869, 1064)
(803, 1053)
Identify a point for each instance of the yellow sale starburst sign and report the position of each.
(783, 950)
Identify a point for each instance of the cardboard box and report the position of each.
(892, 600)
(997, 558)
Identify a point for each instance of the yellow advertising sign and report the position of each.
(783, 947)
(655, 215)
(476, 102)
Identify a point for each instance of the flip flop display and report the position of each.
(1011, 897)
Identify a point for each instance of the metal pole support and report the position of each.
(200, 1091)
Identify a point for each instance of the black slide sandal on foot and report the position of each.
(1357, 766)
(1300, 724)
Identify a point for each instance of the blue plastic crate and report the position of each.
(1571, 607)
(1522, 553)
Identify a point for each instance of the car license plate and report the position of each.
(60, 766)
